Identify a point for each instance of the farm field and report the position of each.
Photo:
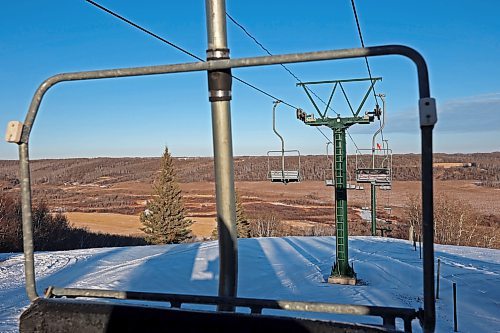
(108, 194)
(110, 223)
(301, 204)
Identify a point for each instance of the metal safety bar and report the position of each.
(284, 174)
(427, 112)
(256, 306)
(381, 165)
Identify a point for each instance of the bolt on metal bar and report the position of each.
(428, 317)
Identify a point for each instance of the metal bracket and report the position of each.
(14, 131)
(427, 111)
(219, 81)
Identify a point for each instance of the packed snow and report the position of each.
(290, 268)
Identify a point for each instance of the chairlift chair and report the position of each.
(283, 175)
(380, 172)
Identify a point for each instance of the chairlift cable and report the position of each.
(326, 137)
(355, 145)
(144, 30)
(363, 45)
(152, 34)
(183, 50)
(282, 65)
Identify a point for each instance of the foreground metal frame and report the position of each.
(256, 306)
(225, 195)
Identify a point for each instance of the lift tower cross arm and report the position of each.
(341, 271)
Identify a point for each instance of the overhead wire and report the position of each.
(366, 60)
(239, 25)
(363, 45)
(232, 19)
(181, 49)
(326, 137)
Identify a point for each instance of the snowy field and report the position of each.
(291, 268)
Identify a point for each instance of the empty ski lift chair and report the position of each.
(62, 309)
(380, 172)
(284, 175)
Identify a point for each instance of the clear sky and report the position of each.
(138, 116)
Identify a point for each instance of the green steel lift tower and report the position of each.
(341, 273)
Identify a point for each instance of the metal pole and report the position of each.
(428, 230)
(437, 282)
(419, 247)
(219, 85)
(29, 256)
(282, 142)
(373, 187)
(374, 209)
(341, 268)
(455, 320)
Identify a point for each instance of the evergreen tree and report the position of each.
(242, 223)
(164, 220)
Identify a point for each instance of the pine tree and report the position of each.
(242, 223)
(164, 221)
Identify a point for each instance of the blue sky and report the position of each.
(138, 116)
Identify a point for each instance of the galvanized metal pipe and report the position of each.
(367, 310)
(223, 155)
(426, 130)
(373, 190)
(282, 141)
(423, 78)
(28, 246)
(225, 195)
(428, 230)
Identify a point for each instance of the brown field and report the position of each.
(119, 224)
(300, 204)
(108, 194)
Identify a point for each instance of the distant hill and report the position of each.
(105, 171)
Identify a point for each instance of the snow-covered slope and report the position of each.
(291, 268)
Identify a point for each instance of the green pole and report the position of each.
(374, 209)
(341, 267)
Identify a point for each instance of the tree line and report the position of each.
(50, 231)
(105, 171)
